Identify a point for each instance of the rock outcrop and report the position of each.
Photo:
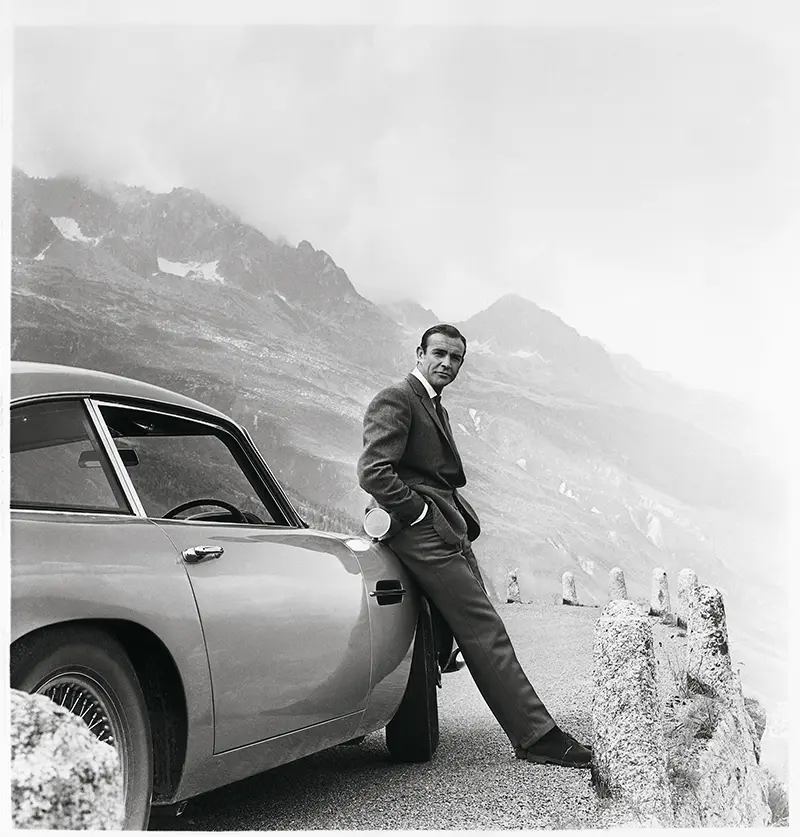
(62, 776)
(757, 722)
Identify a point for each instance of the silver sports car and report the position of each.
(164, 588)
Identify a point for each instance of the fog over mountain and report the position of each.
(576, 458)
(631, 167)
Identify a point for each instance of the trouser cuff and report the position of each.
(540, 733)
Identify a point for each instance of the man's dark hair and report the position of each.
(447, 330)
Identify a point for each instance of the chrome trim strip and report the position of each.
(16, 510)
(158, 410)
(275, 487)
(113, 454)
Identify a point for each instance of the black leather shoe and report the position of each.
(452, 663)
(557, 747)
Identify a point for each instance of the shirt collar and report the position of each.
(420, 377)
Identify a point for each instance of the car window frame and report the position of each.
(228, 427)
(34, 508)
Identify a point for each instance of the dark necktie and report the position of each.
(437, 403)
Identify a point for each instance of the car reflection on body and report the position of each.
(163, 583)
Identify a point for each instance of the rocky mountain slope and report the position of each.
(577, 459)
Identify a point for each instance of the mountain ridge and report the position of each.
(577, 462)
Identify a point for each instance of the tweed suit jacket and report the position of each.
(410, 458)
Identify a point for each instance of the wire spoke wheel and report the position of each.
(88, 673)
(87, 701)
(85, 697)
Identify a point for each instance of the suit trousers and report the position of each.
(449, 576)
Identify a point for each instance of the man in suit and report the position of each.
(411, 467)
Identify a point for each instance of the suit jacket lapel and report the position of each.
(428, 405)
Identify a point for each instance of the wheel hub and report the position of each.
(83, 698)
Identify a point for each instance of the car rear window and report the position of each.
(57, 462)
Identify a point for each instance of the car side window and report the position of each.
(57, 462)
(172, 461)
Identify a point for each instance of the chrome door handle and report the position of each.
(388, 592)
(196, 554)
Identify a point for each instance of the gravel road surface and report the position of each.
(474, 781)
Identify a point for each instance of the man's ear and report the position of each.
(420, 353)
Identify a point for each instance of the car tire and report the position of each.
(413, 733)
(88, 661)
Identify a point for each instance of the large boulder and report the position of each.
(62, 776)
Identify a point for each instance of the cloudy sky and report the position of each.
(632, 166)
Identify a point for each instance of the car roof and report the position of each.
(30, 379)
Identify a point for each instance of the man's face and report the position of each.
(441, 360)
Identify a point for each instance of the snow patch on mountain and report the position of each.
(586, 564)
(522, 464)
(655, 532)
(41, 255)
(69, 229)
(524, 353)
(567, 492)
(464, 429)
(652, 527)
(198, 270)
(481, 347)
(655, 506)
(476, 419)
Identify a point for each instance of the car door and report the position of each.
(283, 610)
(78, 548)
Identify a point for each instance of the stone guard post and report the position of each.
(728, 771)
(617, 588)
(659, 600)
(687, 589)
(569, 596)
(629, 755)
(512, 587)
(708, 659)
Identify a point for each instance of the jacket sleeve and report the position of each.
(386, 427)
